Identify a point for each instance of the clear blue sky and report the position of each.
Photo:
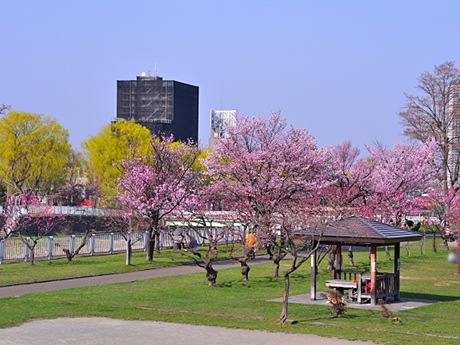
(337, 68)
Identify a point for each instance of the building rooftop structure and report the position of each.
(163, 106)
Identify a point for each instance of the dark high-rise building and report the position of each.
(163, 106)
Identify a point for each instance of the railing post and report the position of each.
(27, 250)
(72, 244)
(2, 250)
(50, 247)
(111, 242)
(146, 240)
(93, 244)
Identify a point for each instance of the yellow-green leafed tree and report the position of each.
(33, 155)
(105, 152)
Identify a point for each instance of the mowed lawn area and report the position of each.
(233, 303)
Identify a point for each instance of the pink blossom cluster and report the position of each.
(155, 185)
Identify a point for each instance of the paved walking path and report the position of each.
(99, 331)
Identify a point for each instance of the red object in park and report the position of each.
(86, 202)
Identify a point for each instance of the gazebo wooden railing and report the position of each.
(386, 287)
(359, 231)
(358, 285)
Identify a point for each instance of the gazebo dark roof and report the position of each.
(359, 230)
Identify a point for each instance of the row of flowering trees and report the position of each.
(264, 168)
(274, 177)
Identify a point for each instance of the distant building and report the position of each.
(221, 120)
(453, 130)
(163, 106)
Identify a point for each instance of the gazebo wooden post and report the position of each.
(397, 269)
(313, 274)
(338, 261)
(373, 274)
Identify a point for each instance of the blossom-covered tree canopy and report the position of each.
(400, 175)
(386, 183)
(351, 180)
(155, 185)
(262, 165)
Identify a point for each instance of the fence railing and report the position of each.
(13, 249)
(67, 210)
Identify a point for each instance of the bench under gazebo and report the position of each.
(359, 231)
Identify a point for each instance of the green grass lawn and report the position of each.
(81, 266)
(233, 303)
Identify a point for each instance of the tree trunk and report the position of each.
(331, 261)
(278, 256)
(407, 246)
(244, 267)
(350, 256)
(154, 240)
(284, 310)
(270, 248)
(211, 275)
(129, 251)
(70, 255)
(387, 252)
(445, 243)
(157, 241)
(276, 269)
(434, 242)
(150, 244)
(32, 255)
(422, 245)
(245, 271)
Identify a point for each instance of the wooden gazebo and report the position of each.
(359, 231)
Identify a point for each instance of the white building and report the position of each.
(453, 132)
(221, 120)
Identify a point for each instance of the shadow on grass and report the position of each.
(441, 298)
(328, 317)
(228, 284)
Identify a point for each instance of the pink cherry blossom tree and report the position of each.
(263, 165)
(350, 187)
(351, 180)
(263, 169)
(386, 184)
(156, 185)
(30, 219)
(443, 206)
(129, 225)
(210, 226)
(400, 176)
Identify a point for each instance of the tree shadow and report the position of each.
(440, 298)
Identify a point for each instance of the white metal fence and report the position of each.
(13, 249)
(69, 210)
